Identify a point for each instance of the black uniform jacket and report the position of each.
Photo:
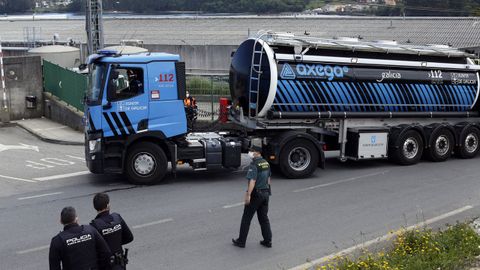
(79, 248)
(108, 226)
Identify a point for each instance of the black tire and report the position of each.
(469, 142)
(408, 148)
(441, 145)
(146, 164)
(298, 159)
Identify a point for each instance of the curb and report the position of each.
(377, 244)
(45, 139)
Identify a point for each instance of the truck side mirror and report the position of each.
(107, 106)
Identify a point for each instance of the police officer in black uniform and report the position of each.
(113, 229)
(256, 199)
(78, 247)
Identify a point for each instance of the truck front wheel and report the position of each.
(298, 159)
(146, 164)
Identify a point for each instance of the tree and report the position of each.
(15, 6)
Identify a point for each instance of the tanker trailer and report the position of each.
(370, 100)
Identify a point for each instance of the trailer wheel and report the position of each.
(441, 145)
(298, 159)
(146, 164)
(469, 143)
(408, 148)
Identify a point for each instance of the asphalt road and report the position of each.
(188, 222)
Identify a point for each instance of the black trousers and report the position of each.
(118, 267)
(258, 204)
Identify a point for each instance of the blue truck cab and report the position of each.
(132, 97)
(136, 121)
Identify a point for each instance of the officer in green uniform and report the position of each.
(256, 199)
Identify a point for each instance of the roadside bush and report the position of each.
(197, 85)
(451, 249)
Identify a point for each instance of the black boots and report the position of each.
(238, 243)
(266, 244)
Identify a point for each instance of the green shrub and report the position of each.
(451, 249)
(204, 85)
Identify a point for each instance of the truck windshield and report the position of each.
(96, 83)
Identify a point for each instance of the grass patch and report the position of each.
(451, 249)
(202, 85)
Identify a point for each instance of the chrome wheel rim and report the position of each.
(442, 145)
(299, 158)
(144, 164)
(471, 143)
(410, 148)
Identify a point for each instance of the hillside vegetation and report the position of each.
(402, 7)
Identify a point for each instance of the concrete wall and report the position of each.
(23, 78)
(199, 59)
(62, 113)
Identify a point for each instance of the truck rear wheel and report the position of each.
(298, 159)
(470, 143)
(408, 148)
(441, 145)
(146, 164)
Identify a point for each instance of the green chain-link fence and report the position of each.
(207, 90)
(67, 85)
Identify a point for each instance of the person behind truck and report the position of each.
(113, 229)
(191, 109)
(77, 247)
(256, 199)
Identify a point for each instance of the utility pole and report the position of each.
(94, 26)
(4, 112)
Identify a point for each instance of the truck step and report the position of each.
(112, 155)
(115, 142)
(113, 171)
(199, 164)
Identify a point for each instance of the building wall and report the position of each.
(23, 76)
(199, 59)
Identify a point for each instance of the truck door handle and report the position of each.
(107, 106)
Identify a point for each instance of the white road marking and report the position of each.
(21, 146)
(61, 176)
(233, 205)
(57, 161)
(17, 179)
(75, 157)
(341, 181)
(33, 250)
(39, 196)
(36, 165)
(366, 244)
(152, 223)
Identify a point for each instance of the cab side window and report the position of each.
(125, 83)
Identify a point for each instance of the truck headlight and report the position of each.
(94, 145)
